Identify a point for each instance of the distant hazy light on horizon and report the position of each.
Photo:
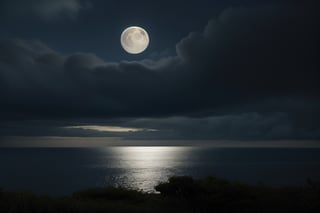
(109, 128)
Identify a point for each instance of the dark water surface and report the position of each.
(65, 170)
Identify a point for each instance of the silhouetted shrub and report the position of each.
(183, 186)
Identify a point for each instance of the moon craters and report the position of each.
(134, 40)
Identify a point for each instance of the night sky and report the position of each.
(216, 71)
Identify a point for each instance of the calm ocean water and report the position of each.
(65, 170)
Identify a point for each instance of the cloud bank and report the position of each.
(252, 73)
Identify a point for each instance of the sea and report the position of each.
(62, 171)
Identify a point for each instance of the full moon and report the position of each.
(134, 40)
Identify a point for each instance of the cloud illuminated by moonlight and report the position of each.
(109, 128)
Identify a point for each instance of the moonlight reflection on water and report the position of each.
(143, 167)
(66, 170)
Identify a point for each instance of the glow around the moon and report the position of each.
(134, 40)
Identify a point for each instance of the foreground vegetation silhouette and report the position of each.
(178, 194)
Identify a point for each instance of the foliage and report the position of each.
(178, 194)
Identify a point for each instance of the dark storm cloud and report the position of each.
(233, 80)
(233, 126)
(46, 8)
(243, 126)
